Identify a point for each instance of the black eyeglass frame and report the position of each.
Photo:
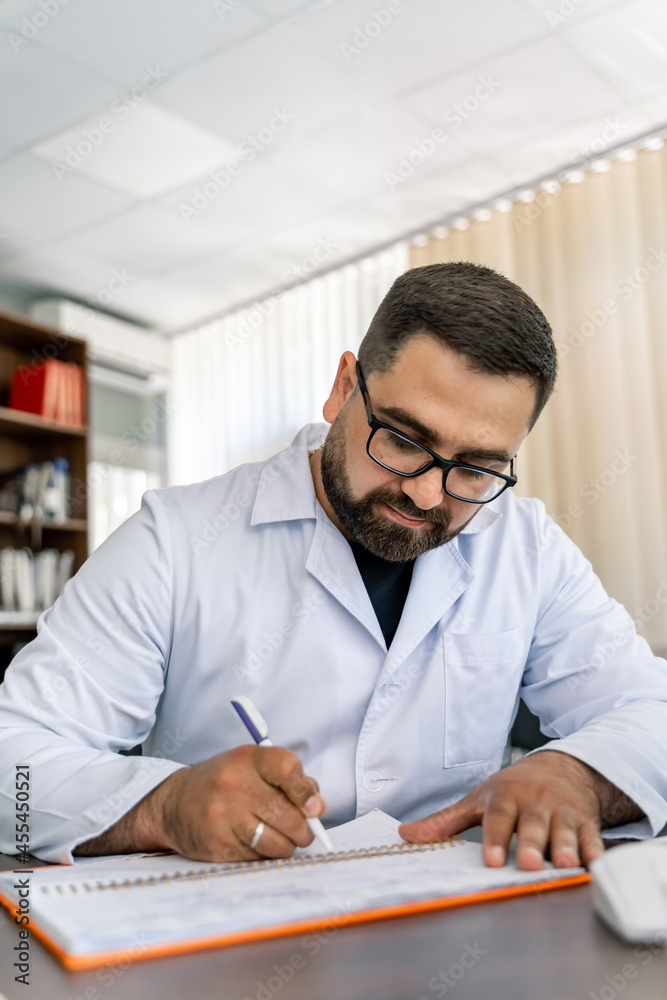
(441, 463)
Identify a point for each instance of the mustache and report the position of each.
(402, 504)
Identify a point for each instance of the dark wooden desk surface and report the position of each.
(542, 947)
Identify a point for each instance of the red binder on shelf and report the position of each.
(100, 912)
(52, 390)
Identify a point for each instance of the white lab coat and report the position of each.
(242, 585)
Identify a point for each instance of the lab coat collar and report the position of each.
(285, 489)
(483, 519)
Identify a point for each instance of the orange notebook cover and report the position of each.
(91, 914)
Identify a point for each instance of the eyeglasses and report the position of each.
(400, 453)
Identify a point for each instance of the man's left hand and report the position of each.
(549, 798)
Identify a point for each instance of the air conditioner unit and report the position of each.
(127, 378)
(121, 355)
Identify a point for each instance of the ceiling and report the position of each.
(166, 160)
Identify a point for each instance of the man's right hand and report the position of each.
(210, 811)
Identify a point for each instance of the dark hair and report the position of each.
(476, 312)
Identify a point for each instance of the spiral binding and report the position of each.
(248, 867)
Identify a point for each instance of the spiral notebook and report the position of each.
(101, 911)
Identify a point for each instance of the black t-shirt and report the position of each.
(387, 584)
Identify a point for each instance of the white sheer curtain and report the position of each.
(115, 494)
(243, 385)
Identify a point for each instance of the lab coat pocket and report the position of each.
(482, 678)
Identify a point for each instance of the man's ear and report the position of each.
(344, 385)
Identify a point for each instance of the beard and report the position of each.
(380, 535)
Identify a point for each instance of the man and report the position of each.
(382, 596)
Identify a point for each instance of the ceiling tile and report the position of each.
(654, 111)
(43, 93)
(628, 46)
(277, 8)
(496, 109)
(558, 16)
(65, 273)
(151, 239)
(187, 298)
(439, 195)
(331, 239)
(251, 263)
(159, 304)
(38, 206)
(228, 279)
(367, 156)
(258, 200)
(121, 38)
(141, 150)
(423, 41)
(11, 245)
(238, 92)
(550, 153)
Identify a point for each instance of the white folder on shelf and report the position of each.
(25, 580)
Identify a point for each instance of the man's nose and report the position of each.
(426, 490)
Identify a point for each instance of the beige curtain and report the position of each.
(593, 255)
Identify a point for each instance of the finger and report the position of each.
(533, 830)
(590, 843)
(271, 843)
(279, 813)
(227, 848)
(564, 840)
(236, 850)
(282, 769)
(498, 825)
(445, 823)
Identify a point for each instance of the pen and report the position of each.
(259, 731)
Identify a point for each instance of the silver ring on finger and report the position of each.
(257, 836)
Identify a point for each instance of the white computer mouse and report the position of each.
(630, 890)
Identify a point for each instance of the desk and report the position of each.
(549, 946)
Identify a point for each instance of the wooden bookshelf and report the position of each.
(71, 524)
(26, 438)
(29, 425)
